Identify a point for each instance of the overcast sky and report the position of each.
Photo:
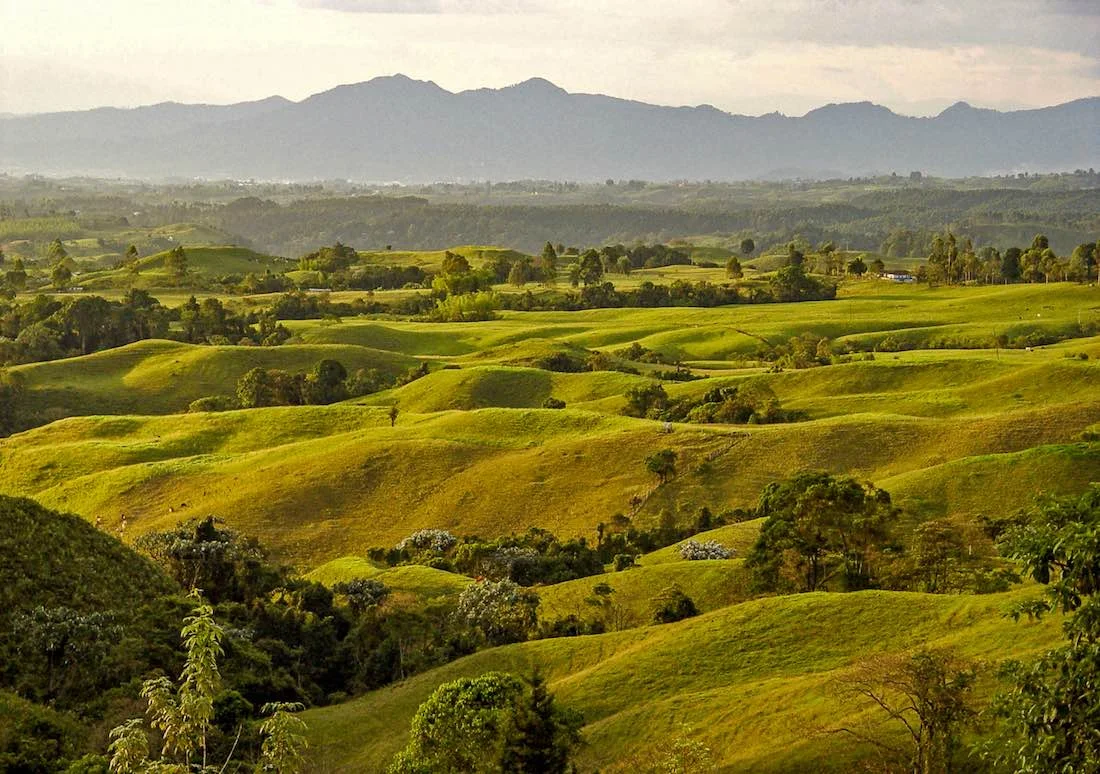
(745, 56)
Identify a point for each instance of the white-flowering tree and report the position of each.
(693, 550)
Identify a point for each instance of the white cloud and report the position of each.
(748, 56)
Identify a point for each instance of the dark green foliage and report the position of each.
(752, 402)
(176, 261)
(329, 259)
(792, 283)
(36, 739)
(553, 403)
(662, 464)
(11, 394)
(648, 401)
(672, 605)
(534, 557)
(1049, 713)
(488, 724)
(54, 560)
(327, 383)
(200, 555)
(46, 329)
(820, 529)
(542, 736)
(362, 594)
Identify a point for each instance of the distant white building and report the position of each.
(899, 276)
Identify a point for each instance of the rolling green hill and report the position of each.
(157, 377)
(755, 682)
(57, 560)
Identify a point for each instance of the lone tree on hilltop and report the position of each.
(176, 262)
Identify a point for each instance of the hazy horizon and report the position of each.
(928, 113)
(742, 56)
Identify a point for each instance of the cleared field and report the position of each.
(157, 377)
(755, 682)
(317, 483)
(473, 452)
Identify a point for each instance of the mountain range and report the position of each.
(398, 129)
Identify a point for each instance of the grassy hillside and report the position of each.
(155, 377)
(57, 560)
(317, 483)
(421, 583)
(473, 452)
(754, 681)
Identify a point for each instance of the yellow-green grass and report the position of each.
(155, 376)
(755, 682)
(432, 260)
(503, 386)
(737, 537)
(211, 261)
(421, 583)
(872, 310)
(317, 483)
(711, 584)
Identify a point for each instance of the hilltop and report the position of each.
(396, 128)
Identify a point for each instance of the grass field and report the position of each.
(755, 682)
(473, 452)
(949, 425)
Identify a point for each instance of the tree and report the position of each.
(490, 724)
(541, 736)
(878, 267)
(184, 713)
(1081, 262)
(59, 642)
(672, 605)
(453, 263)
(733, 268)
(393, 414)
(748, 247)
(929, 693)
(1010, 264)
(590, 270)
(362, 594)
(857, 267)
(460, 728)
(936, 554)
(1049, 712)
(11, 395)
(662, 464)
(818, 527)
(16, 276)
(501, 611)
(131, 253)
(795, 257)
(520, 273)
(88, 316)
(56, 252)
(199, 554)
(60, 276)
(326, 383)
(176, 262)
(547, 264)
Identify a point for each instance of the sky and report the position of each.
(744, 56)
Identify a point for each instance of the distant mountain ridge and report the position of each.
(396, 128)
